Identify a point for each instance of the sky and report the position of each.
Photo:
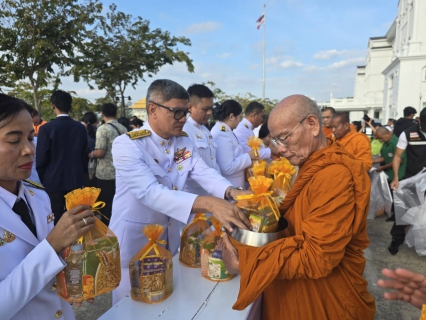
(312, 46)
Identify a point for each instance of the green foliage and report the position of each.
(125, 52)
(38, 35)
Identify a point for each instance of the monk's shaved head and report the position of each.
(295, 125)
(296, 107)
(383, 134)
(343, 116)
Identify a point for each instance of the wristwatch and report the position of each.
(228, 194)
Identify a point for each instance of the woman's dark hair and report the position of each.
(89, 118)
(263, 131)
(125, 122)
(224, 110)
(137, 122)
(10, 107)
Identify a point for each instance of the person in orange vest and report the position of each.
(37, 121)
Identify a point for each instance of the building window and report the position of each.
(376, 114)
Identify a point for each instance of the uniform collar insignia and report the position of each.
(222, 128)
(138, 134)
(246, 125)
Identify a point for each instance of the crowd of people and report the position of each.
(166, 168)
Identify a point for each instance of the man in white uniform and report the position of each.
(253, 117)
(200, 108)
(152, 165)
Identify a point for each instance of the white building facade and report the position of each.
(394, 75)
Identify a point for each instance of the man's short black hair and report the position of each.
(408, 111)
(333, 111)
(164, 90)
(254, 107)
(62, 100)
(109, 110)
(200, 91)
(264, 131)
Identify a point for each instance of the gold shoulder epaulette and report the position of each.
(34, 184)
(138, 134)
(222, 128)
(246, 125)
(184, 134)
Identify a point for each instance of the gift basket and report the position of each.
(191, 239)
(151, 269)
(212, 266)
(93, 261)
(281, 171)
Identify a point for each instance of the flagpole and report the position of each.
(264, 53)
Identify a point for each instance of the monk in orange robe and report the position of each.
(327, 114)
(357, 144)
(315, 272)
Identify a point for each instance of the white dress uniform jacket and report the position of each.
(231, 157)
(151, 173)
(28, 264)
(206, 148)
(243, 131)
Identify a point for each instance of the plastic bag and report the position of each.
(192, 237)
(261, 209)
(380, 196)
(281, 172)
(410, 194)
(212, 266)
(151, 269)
(92, 167)
(93, 261)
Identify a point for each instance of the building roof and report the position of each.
(378, 38)
(141, 104)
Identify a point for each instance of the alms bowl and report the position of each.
(255, 239)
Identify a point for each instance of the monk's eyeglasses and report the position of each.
(178, 113)
(283, 141)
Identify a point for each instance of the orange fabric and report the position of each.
(358, 145)
(37, 127)
(316, 271)
(353, 128)
(328, 132)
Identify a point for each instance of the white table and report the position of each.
(193, 297)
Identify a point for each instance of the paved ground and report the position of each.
(377, 259)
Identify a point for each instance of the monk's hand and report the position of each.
(230, 256)
(73, 224)
(410, 286)
(228, 214)
(394, 184)
(78, 304)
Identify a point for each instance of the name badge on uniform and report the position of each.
(182, 155)
(50, 218)
(414, 135)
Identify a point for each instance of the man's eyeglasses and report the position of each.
(178, 113)
(282, 141)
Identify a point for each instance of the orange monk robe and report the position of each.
(358, 145)
(316, 271)
(328, 132)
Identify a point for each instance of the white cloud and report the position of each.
(291, 64)
(224, 55)
(202, 27)
(330, 54)
(346, 63)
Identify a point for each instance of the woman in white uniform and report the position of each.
(230, 156)
(29, 242)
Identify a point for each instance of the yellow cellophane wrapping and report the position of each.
(190, 241)
(259, 167)
(255, 144)
(212, 266)
(151, 269)
(260, 207)
(282, 172)
(423, 317)
(98, 267)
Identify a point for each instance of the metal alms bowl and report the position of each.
(255, 239)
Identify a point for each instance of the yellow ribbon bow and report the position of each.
(262, 196)
(153, 246)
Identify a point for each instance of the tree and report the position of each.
(125, 52)
(38, 35)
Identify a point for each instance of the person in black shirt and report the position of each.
(404, 123)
